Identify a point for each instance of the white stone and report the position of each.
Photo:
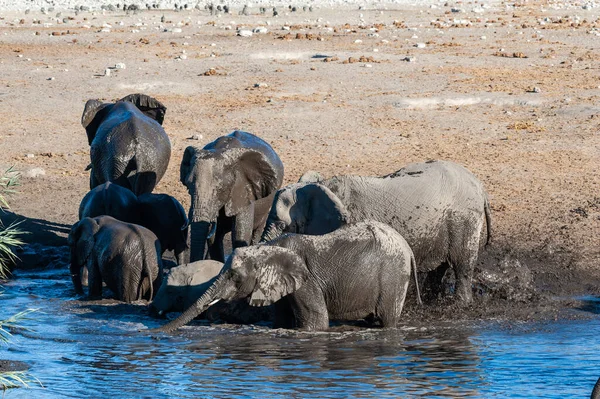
(35, 172)
(244, 33)
(120, 65)
(420, 45)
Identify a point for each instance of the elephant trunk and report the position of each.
(199, 235)
(220, 289)
(272, 231)
(75, 270)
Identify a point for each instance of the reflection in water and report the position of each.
(95, 350)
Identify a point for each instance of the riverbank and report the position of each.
(510, 92)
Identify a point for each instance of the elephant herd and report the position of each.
(342, 248)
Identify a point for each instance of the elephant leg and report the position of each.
(216, 249)
(94, 280)
(309, 308)
(465, 263)
(432, 286)
(391, 302)
(243, 223)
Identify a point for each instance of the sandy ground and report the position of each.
(511, 92)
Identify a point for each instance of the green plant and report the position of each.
(9, 239)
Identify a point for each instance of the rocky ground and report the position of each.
(511, 91)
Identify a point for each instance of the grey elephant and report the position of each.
(128, 145)
(161, 213)
(438, 206)
(124, 256)
(183, 286)
(231, 182)
(358, 271)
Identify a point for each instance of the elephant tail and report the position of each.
(488, 219)
(413, 264)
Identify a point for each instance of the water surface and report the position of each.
(97, 350)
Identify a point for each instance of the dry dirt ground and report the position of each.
(512, 93)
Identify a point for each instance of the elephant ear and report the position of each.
(320, 210)
(267, 273)
(186, 164)
(81, 238)
(150, 106)
(255, 178)
(93, 114)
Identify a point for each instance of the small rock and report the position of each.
(358, 41)
(244, 33)
(35, 172)
(261, 85)
(535, 90)
(196, 137)
(50, 78)
(29, 156)
(107, 72)
(120, 65)
(260, 29)
(409, 59)
(368, 66)
(420, 45)
(177, 30)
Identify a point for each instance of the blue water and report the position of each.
(95, 350)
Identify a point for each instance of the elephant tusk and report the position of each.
(213, 302)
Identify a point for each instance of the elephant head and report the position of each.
(306, 209)
(165, 216)
(81, 243)
(222, 180)
(261, 274)
(183, 286)
(96, 111)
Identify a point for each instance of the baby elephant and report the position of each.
(126, 257)
(358, 271)
(186, 283)
(161, 213)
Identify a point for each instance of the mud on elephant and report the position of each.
(128, 145)
(438, 206)
(359, 271)
(126, 257)
(231, 182)
(183, 286)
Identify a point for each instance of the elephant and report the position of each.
(356, 272)
(183, 286)
(128, 145)
(596, 391)
(231, 182)
(161, 213)
(439, 207)
(124, 256)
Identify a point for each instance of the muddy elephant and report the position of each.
(231, 182)
(128, 145)
(359, 271)
(438, 206)
(161, 213)
(183, 286)
(124, 256)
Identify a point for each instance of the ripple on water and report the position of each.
(87, 349)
